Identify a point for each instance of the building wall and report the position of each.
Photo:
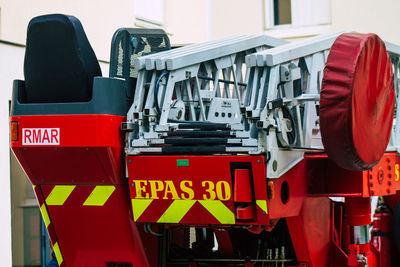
(367, 16)
(100, 19)
(10, 68)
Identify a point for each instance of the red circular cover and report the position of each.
(357, 101)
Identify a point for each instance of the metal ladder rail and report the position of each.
(208, 72)
(195, 54)
(394, 52)
(305, 59)
(289, 78)
(142, 77)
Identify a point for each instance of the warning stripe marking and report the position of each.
(263, 205)
(59, 194)
(57, 251)
(45, 215)
(219, 211)
(99, 195)
(176, 211)
(139, 206)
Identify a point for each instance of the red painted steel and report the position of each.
(325, 178)
(90, 150)
(96, 235)
(243, 186)
(357, 101)
(296, 181)
(358, 210)
(89, 154)
(201, 171)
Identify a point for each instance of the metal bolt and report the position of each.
(258, 161)
(389, 183)
(389, 167)
(390, 176)
(274, 165)
(388, 190)
(130, 161)
(133, 184)
(388, 160)
(371, 185)
(372, 192)
(370, 176)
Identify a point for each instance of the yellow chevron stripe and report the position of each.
(139, 206)
(263, 205)
(45, 215)
(57, 251)
(176, 211)
(219, 211)
(59, 194)
(99, 195)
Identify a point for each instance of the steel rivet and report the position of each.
(274, 165)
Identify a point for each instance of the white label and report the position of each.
(41, 136)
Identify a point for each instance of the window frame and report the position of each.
(299, 26)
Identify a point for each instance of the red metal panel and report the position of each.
(311, 232)
(325, 178)
(95, 235)
(296, 182)
(211, 178)
(90, 150)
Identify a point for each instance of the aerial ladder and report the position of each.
(243, 151)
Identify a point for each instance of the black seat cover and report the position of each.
(59, 62)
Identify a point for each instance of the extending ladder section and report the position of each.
(236, 95)
(191, 99)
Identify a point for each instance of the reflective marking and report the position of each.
(219, 211)
(59, 194)
(396, 168)
(45, 215)
(139, 206)
(57, 251)
(263, 205)
(99, 195)
(176, 211)
(34, 186)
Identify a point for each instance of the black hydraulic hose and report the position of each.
(156, 91)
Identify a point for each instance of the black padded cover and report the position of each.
(59, 62)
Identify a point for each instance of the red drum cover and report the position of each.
(357, 101)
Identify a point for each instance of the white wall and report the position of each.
(10, 68)
(100, 19)
(367, 16)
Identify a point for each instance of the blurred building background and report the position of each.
(186, 22)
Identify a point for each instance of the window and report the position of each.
(149, 13)
(296, 13)
(282, 12)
